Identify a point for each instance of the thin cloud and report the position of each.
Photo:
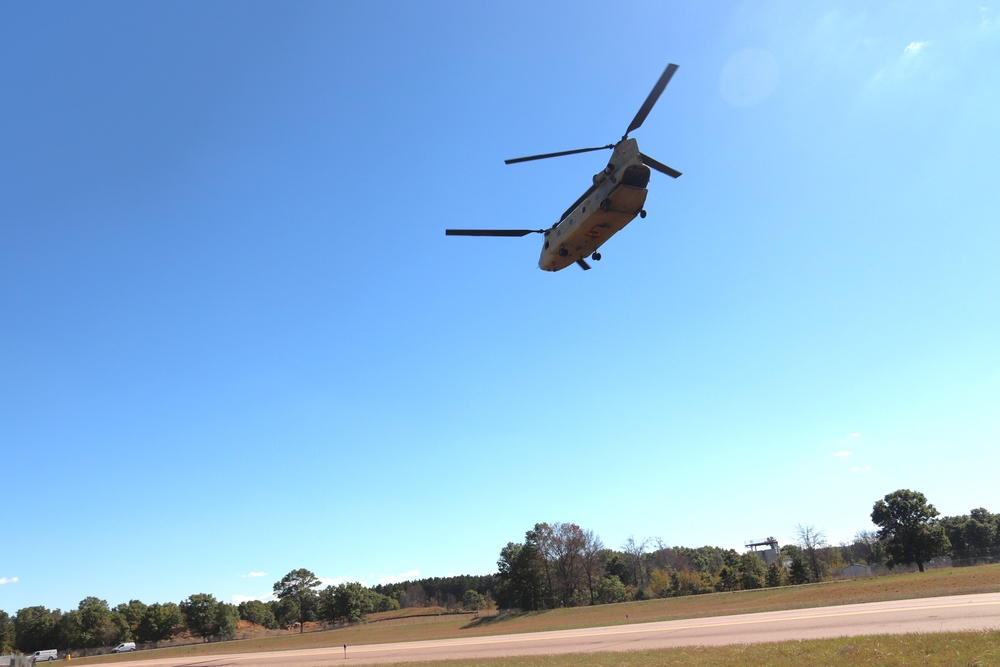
(845, 446)
(860, 469)
(335, 581)
(5, 580)
(371, 579)
(253, 574)
(987, 24)
(236, 599)
(910, 63)
(397, 578)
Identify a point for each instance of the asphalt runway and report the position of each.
(941, 614)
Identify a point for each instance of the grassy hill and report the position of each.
(435, 623)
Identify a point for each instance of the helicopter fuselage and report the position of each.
(614, 200)
(616, 197)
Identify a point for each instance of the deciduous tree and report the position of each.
(908, 529)
(811, 541)
(775, 575)
(99, 626)
(660, 583)
(615, 565)
(377, 602)
(345, 602)
(132, 612)
(973, 535)
(688, 582)
(752, 571)
(798, 571)
(540, 541)
(567, 543)
(634, 552)
(522, 581)
(227, 618)
(158, 622)
(67, 632)
(298, 585)
(34, 629)
(286, 612)
(257, 612)
(611, 590)
(473, 600)
(6, 633)
(864, 548)
(729, 578)
(592, 561)
(200, 614)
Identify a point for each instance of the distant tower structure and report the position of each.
(770, 554)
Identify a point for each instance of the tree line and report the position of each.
(95, 625)
(557, 565)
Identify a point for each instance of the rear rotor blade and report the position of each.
(491, 232)
(654, 95)
(560, 154)
(659, 166)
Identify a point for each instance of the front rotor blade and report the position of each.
(654, 95)
(659, 166)
(583, 265)
(560, 154)
(491, 232)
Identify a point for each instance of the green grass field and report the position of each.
(964, 649)
(952, 581)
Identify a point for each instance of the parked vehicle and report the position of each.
(124, 648)
(47, 654)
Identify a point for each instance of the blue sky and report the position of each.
(235, 341)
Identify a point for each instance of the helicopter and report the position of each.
(616, 197)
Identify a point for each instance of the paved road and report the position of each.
(942, 614)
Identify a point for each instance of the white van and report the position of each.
(47, 654)
(122, 648)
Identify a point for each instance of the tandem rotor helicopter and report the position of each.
(613, 201)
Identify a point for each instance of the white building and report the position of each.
(858, 570)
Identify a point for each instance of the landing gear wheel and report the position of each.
(606, 205)
(563, 252)
(642, 213)
(596, 257)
